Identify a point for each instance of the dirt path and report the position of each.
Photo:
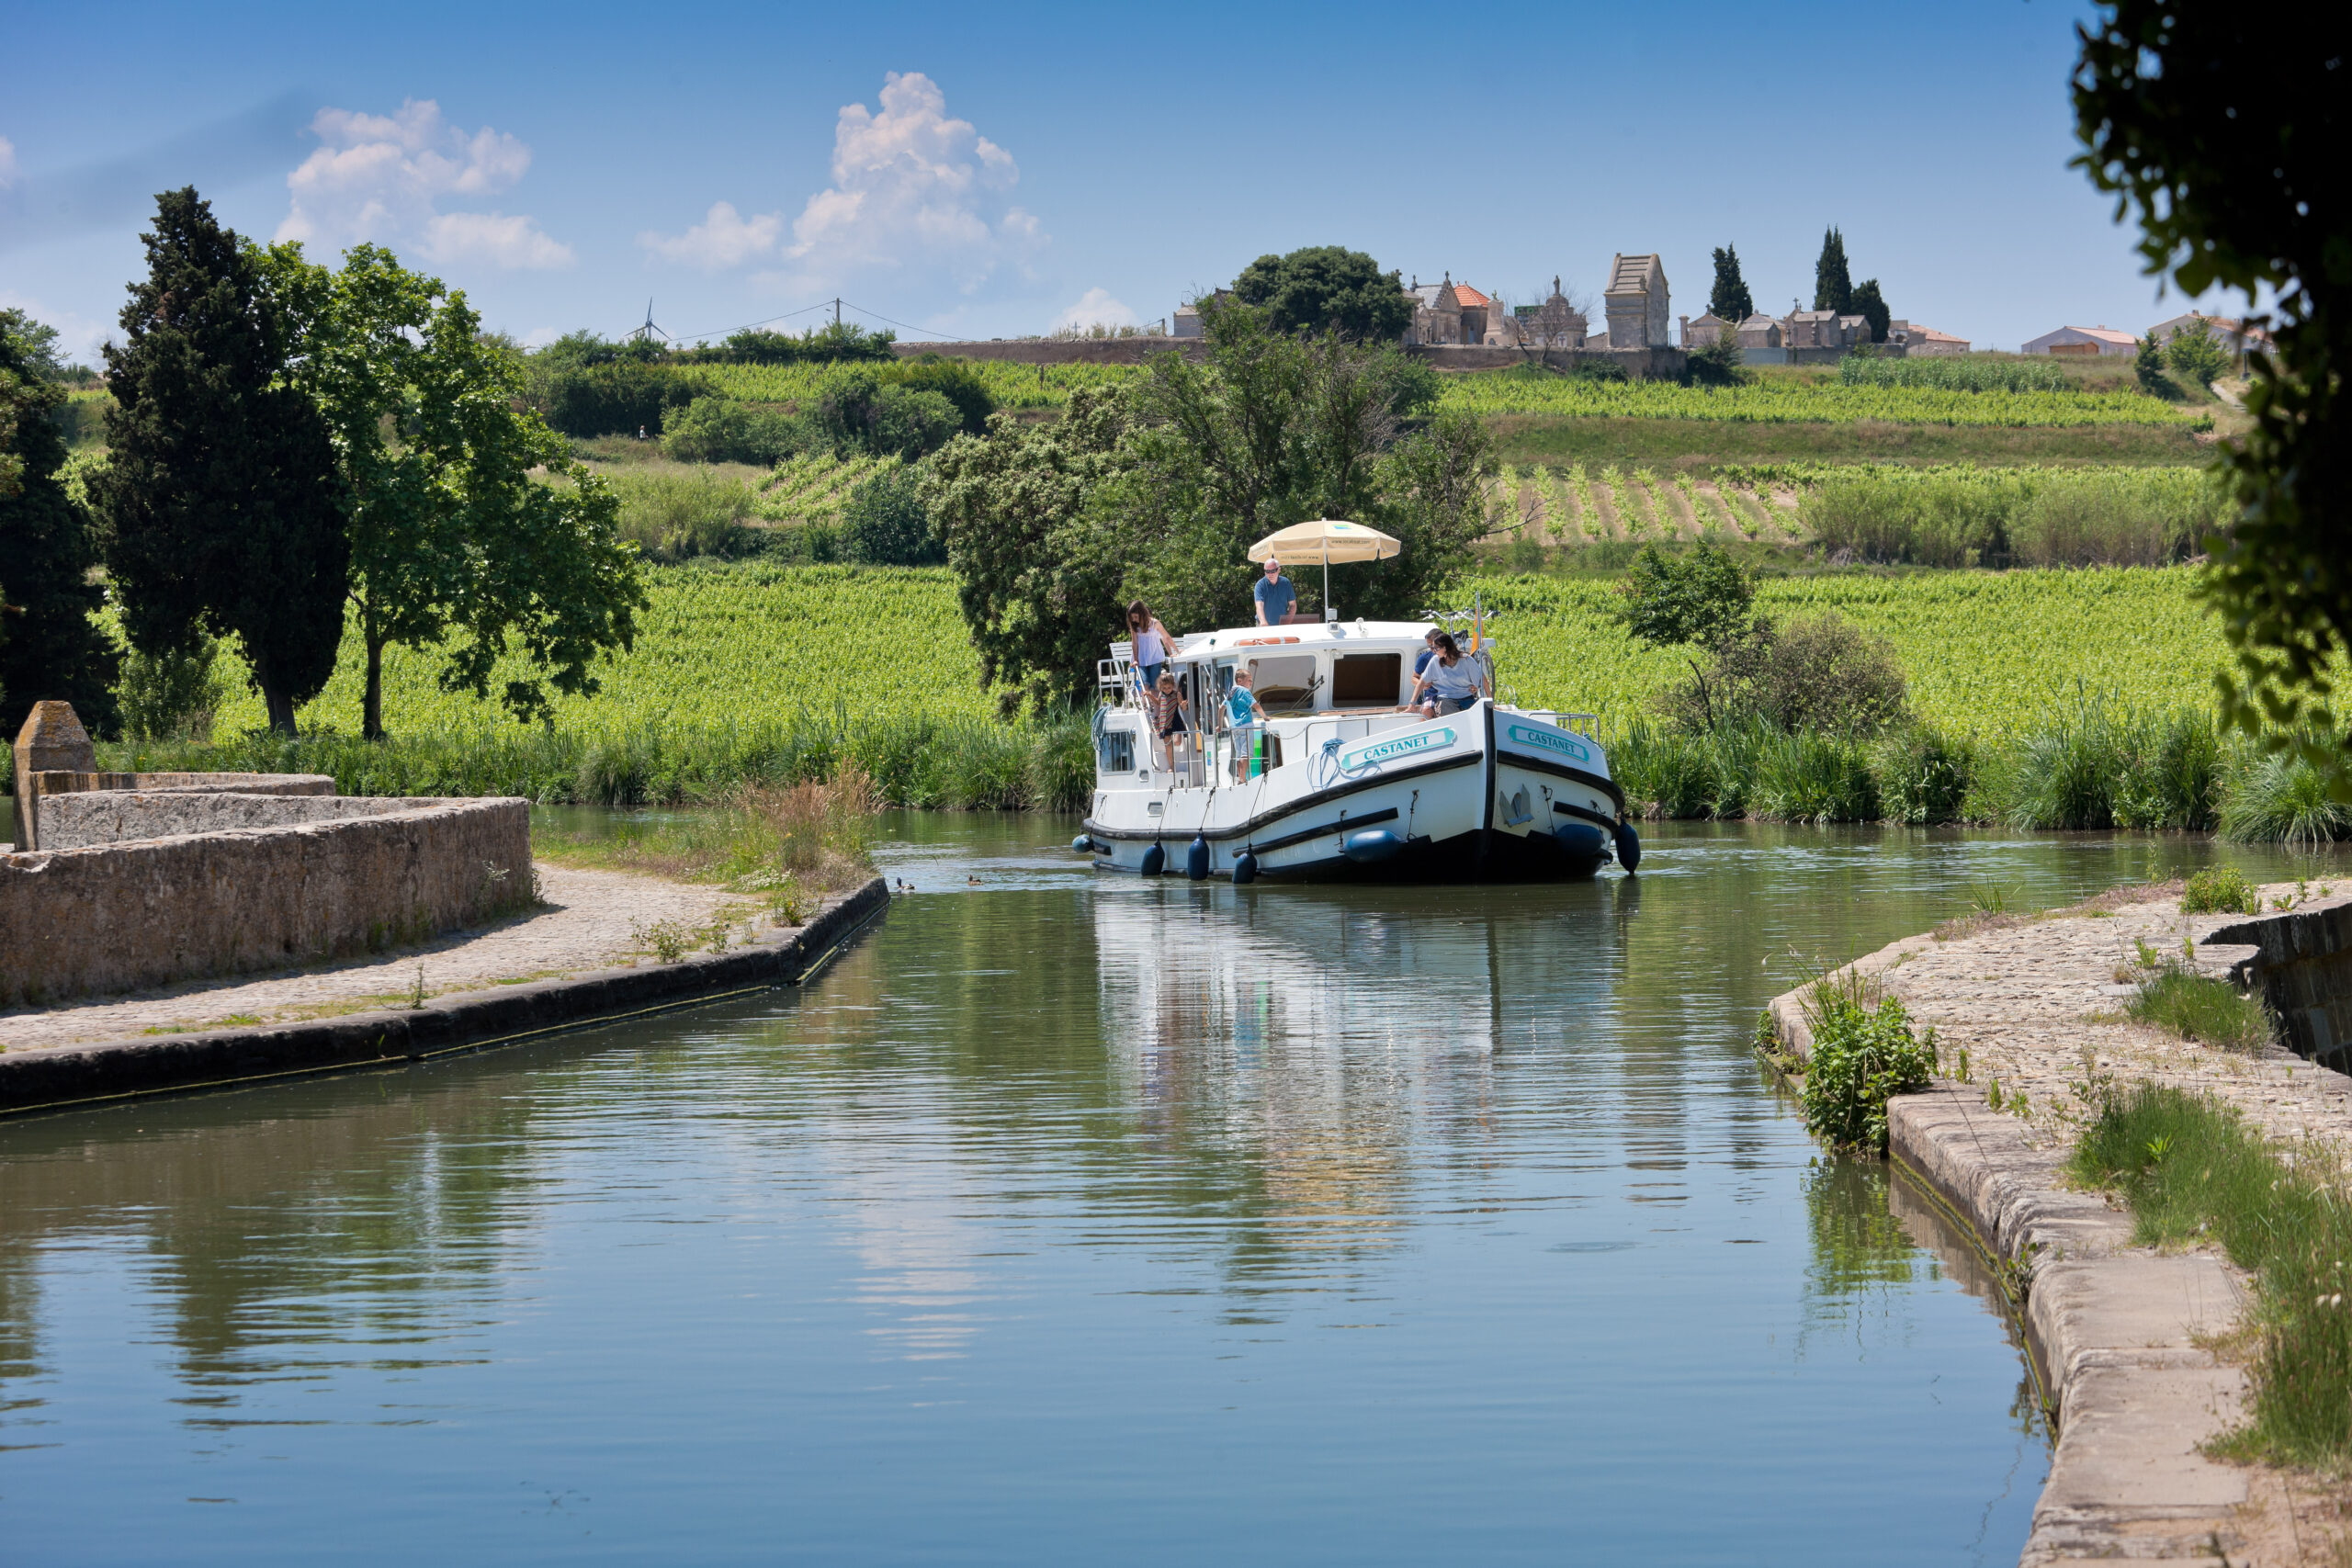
(593, 919)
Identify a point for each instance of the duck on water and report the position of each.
(1330, 774)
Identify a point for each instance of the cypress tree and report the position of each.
(1730, 301)
(222, 494)
(1870, 305)
(52, 648)
(1833, 286)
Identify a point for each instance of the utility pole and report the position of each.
(837, 315)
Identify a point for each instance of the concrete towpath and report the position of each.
(2133, 1347)
(591, 921)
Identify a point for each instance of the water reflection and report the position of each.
(1406, 1224)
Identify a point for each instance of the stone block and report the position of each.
(122, 916)
(52, 740)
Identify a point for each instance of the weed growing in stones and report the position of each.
(2220, 891)
(1861, 1055)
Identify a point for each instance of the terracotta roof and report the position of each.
(1470, 296)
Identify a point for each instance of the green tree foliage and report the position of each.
(53, 649)
(721, 430)
(39, 346)
(830, 344)
(884, 523)
(1326, 289)
(1870, 305)
(2148, 365)
(2196, 353)
(1272, 430)
(172, 695)
(1718, 363)
(860, 410)
(957, 381)
(620, 396)
(2231, 151)
(449, 531)
(1671, 601)
(1832, 285)
(1037, 589)
(1729, 300)
(221, 498)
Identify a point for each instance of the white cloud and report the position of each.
(914, 194)
(383, 178)
(1096, 308)
(724, 238)
(8, 163)
(539, 337)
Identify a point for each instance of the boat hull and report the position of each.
(1486, 796)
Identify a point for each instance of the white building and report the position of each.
(2083, 342)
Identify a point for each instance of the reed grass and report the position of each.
(916, 761)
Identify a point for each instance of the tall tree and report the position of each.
(1034, 575)
(1870, 305)
(1158, 490)
(1833, 286)
(1271, 431)
(222, 496)
(1327, 288)
(2232, 151)
(1730, 301)
(447, 529)
(55, 649)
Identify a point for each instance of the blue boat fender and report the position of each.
(1196, 859)
(1582, 840)
(1369, 846)
(1155, 860)
(1082, 844)
(1245, 869)
(1629, 847)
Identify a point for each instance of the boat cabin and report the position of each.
(1338, 680)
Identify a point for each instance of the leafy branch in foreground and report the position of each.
(2230, 151)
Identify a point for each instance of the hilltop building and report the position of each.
(2083, 342)
(1702, 332)
(1919, 342)
(1635, 302)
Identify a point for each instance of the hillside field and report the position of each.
(1989, 654)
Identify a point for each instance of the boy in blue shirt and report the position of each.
(1276, 598)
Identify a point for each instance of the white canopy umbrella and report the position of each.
(1326, 540)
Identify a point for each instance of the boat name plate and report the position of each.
(1545, 740)
(1381, 751)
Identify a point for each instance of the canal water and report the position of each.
(1064, 1219)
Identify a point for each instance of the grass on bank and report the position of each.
(787, 844)
(2192, 1169)
(2201, 1010)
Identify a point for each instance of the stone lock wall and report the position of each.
(129, 913)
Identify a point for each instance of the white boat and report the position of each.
(1343, 781)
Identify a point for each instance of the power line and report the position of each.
(909, 326)
(750, 325)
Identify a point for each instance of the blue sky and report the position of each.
(1039, 163)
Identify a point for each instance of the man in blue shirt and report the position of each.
(1275, 595)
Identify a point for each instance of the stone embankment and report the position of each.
(589, 955)
(2124, 1340)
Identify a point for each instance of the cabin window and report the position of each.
(1118, 751)
(1367, 679)
(1285, 684)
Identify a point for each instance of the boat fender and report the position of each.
(1196, 859)
(1582, 840)
(1155, 860)
(1629, 847)
(1082, 844)
(1245, 869)
(1369, 846)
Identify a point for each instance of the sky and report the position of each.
(962, 171)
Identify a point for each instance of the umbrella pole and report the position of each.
(1327, 579)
